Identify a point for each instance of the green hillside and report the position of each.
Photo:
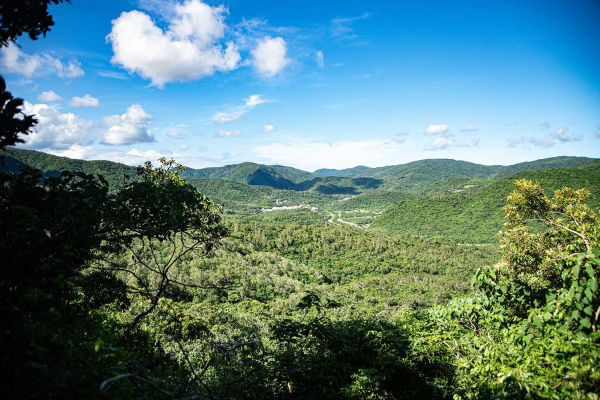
(50, 165)
(477, 217)
(546, 163)
(241, 198)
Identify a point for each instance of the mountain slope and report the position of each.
(477, 217)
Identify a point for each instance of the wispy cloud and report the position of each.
(223, 117)
(227, 134)
(470, 128)
(342, 28)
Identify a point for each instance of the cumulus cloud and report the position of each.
(129, 128)
(435, 129)
(226, 134)
(56, 130)
(237, 113)
(175, 134)
(85, 101)
(184, 147)
(440, 143)
(469, 128)
(562, 135)
(13, 60)
(269, 56)
(49, 97)
(188, 50)
(268, 128)
(320, 58)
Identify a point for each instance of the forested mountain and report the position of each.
(50, 165)
(478, 216)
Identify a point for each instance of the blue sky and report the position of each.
(313, 84)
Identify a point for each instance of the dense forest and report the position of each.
(139, 286)
(438, 279)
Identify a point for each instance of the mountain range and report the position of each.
(445, 198)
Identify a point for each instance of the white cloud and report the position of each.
(435, 129)
(223, 117)
(150, 154)
(469, 128)
(226, 134)
(268, 128)
(545, 125)
(13, 60)
(269, 56)
(188, 50)
(175, 134)
(440, 143)
(320, 58)
(49, 97)
(184, 147)
(56, 130)
(129, 128)
(85, 101)
(561, 135)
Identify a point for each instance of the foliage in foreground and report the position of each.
(112, 296)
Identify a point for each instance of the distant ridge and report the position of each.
(411, 179)
(343, 173)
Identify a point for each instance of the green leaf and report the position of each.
(590, 271)
(585, 322)
(588, 293)
(576, 270)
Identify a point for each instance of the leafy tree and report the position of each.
(12, 120)
(51, 231)
(544, 241)
(25, 16)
